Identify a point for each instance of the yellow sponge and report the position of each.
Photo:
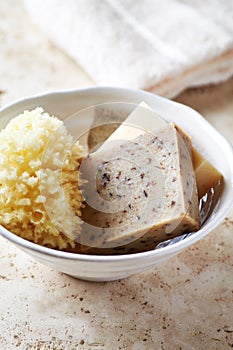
(40, 198)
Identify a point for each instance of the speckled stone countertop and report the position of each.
(185, 303)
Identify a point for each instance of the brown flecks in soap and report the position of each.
(118, 175)
(173, 200)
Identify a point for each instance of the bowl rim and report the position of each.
(167, 250)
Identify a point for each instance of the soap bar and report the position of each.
(207, 176)
(143, 191)
(143, 119)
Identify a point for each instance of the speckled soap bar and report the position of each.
(141, 192)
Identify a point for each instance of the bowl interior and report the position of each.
(205, 138)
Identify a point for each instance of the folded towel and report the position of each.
(161, 46)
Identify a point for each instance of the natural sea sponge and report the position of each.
(40, 197)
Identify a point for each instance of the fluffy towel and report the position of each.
(162, 46)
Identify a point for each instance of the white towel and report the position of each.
(161, 46)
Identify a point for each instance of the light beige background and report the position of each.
(185, 303)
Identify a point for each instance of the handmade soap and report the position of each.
(141, 192)
(144, 119)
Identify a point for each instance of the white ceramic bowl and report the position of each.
(205, 138)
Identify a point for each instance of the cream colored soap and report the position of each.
(141, 192)
(143, 119)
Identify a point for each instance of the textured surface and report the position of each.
(184, 304)
(123, 194)
(143, 44)
(35, 180)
